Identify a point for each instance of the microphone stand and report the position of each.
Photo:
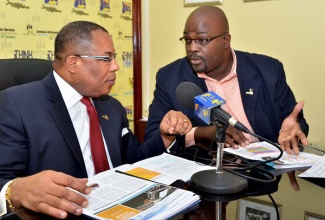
(219, 181)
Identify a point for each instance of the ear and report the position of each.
(226, 41)
(71, 63)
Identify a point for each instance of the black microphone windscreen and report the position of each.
(185, 93)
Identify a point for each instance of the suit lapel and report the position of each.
(61, 116)
(191, 76)
(249, 89)
(110, 130)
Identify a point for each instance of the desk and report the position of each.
(206, 210)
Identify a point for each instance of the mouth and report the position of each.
(111, 81)
(195, 60)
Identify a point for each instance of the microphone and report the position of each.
(207, 106)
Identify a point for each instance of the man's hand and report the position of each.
(235, 138)
(293, 180)
(174, 122)
(291, 133)
(50, 192)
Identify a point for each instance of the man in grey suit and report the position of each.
(44, 127)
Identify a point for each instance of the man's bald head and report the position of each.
(214, 15)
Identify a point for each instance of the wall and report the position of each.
(28, 29)
(290, 30)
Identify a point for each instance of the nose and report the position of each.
(193, 46)
(114, 66)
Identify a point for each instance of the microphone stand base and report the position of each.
(209, 181)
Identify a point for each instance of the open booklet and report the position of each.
(316, 173)
(164, 168)
(263, 151)
(119, 196)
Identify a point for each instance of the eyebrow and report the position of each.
(110, 53)
(196, 33)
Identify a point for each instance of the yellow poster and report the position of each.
(28, 29)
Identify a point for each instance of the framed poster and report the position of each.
(201, 2)
(313, 216)
(256, 209)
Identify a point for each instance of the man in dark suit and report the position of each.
(44, 126)
(254, 87)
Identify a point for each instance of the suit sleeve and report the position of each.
(160, 106)
(13, 140)
(286, 100)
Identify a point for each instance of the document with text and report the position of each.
(165, 168)
(263, 151)
(116, 195)
(316, 171)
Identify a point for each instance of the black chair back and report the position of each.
(19, 71)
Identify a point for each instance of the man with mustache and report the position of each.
(254, 87)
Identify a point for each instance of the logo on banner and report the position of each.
(105, 5)
(128, 111)
(127, 59)
(26, 54)
(16, 5)
(51, 2)
(51, 8)
(126, 11)
(126, 8)
(80, 4)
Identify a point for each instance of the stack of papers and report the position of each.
(119, 196)
(264, 151)
(141, 190)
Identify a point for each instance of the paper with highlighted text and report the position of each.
(119, 196)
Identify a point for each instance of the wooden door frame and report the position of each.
(139, 125)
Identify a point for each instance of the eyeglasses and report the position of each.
(201, 42)
(107, 59)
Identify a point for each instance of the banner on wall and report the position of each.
(28, 29)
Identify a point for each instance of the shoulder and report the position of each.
(180, 64)
(255, 58)
(26, 90)
(109, 101)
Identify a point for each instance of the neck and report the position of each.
(223, 70)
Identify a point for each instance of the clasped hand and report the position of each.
(174, 122)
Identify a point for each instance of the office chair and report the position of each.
(19, 71)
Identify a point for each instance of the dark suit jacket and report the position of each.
(270, 104)
(36, 133)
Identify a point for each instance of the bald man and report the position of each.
(253, 85)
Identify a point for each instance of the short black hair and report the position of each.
(75, 35)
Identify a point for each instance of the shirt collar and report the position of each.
(69, 94)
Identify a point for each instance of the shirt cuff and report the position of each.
(189, 138)
(3, 203)
(170, 146)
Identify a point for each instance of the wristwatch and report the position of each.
(7, 195)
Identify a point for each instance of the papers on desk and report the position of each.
(164, 168)
(316, 171)
(141, 190)
(119, 196)
(263, 151)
